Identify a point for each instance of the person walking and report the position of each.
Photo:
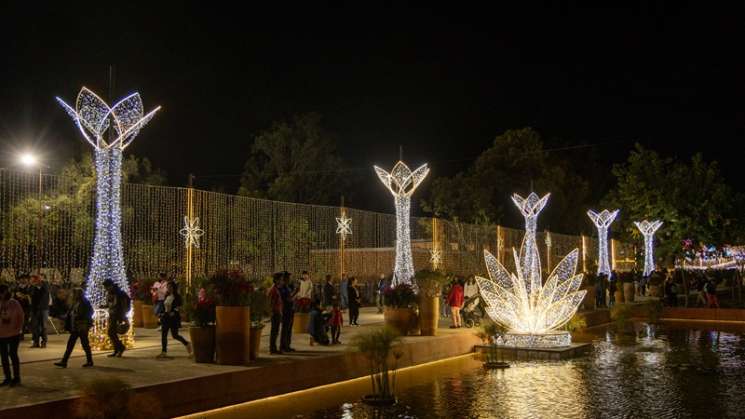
(78, 322)
(380, 290)
(455, 301)
(170, 319)
(159, 290)
(117, 302)
(288, 313)
(343, 291)
(336, 321)
(275, 300)
(11, 330)
(39, 312)
(354, 302)
(329, 292)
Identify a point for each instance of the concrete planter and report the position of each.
(654, 291)
(429, 315)
(149, 321)
(232, 334)
(588, 303)
(619, 296)
(255, 342)
(628, 292)
(300, 322)
(137, 313)
(203, 343)
(400, 319)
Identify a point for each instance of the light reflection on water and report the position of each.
(666, 371)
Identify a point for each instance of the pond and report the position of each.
(663, 371)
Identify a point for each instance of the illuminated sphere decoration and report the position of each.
(402, 183)
(530, 310)
(602, 221)
(648, 228)
(94, 118)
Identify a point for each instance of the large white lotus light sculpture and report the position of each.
(520, 301)
(402, 183)
(602, 221)
(94, 118)
(648, 228)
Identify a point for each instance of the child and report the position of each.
(336, 321)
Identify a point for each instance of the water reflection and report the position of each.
(669, 371)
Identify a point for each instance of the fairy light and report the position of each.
(402, 183)
(435, 258)
(648, 228)
(531, 311)
(602, 221)
(343, 226)
(191, 232)
(93, 118)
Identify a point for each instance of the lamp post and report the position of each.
(30, 160)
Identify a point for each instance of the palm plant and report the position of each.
(378, 346)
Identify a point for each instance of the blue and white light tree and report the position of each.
(402, 183)
(648, 228)
(602, 221)
(95, 118)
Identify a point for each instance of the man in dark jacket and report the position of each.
(117, 302)
(329, 291)
(39, 311)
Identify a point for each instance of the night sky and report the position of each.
(441, 83)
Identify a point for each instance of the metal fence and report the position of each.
(50, 222)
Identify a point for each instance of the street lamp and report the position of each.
(30, 160)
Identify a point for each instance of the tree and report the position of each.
(516, 162)
(691, 199)
(295, 161)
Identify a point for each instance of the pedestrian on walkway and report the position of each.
(39, 311)
(288, 292)
(275, 299)
(329, 292)
(305, 293)
(380, 290)
(455, 302)
(354, 302)
(336, 322)
(343, 291)
(170, 319)
(11, 329)
(159, 291)
(78, 322)
(117, 302)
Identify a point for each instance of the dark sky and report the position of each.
(442, 83)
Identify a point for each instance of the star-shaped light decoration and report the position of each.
(191, 232)
(344, 226)
(435, 258)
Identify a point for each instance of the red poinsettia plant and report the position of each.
(230, 288)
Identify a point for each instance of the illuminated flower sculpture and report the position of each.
(648, 228)
(529, 309)
(402, 183)
(123, 121)
(602, 221)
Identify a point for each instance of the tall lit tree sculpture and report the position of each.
(648, 228)
(530, 310)
(123, 121)
(602, 221)
(402, 183)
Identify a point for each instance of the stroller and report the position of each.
(472, 311)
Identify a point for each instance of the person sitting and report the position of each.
(317, 325)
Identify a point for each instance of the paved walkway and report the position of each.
(43, 382)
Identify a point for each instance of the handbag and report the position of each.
(122, 326)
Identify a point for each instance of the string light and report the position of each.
(648, 229)
(344, 226)
(402, 183)
(191, 232)
(519, 301)
(435, 258)
(602, 221)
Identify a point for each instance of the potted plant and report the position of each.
(232, 292)
(430, 287)
(378, 346)
(201, 309)
(400, 308)
(143, 303)
(259, 309)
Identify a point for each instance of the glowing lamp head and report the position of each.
(28, 160)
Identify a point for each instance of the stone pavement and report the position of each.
(43, 382)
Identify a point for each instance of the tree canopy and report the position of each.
(515, 163)
(296, 161)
